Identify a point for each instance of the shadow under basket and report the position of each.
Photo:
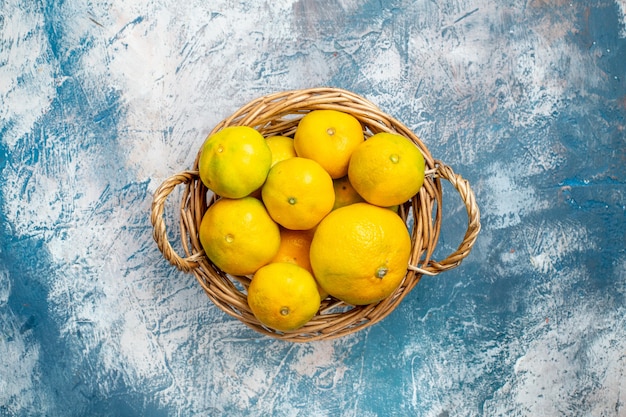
(279, 114)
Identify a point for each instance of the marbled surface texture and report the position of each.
(101, 101)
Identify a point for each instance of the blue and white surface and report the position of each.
(101, 101)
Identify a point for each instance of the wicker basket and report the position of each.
(278, 114)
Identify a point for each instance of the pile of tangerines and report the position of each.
(310, 216)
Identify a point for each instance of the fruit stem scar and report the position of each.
(292, 200)
(229, 238)
(381, 272)
(284, 311)
(330, 131)
(394, 158)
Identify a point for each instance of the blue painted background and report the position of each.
(101, 101)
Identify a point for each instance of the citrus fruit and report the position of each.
(283, 296)
(345, 193)
(298, 193)
(328, 137)
(238, 235)
(360, 253)
(387, 169)
(294, 247)
(281, 147)
(234, 161)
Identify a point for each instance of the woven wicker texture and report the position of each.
(278, 114)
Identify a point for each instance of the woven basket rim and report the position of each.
(278, 113)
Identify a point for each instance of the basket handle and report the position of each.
(473, 223)
(159, 233)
